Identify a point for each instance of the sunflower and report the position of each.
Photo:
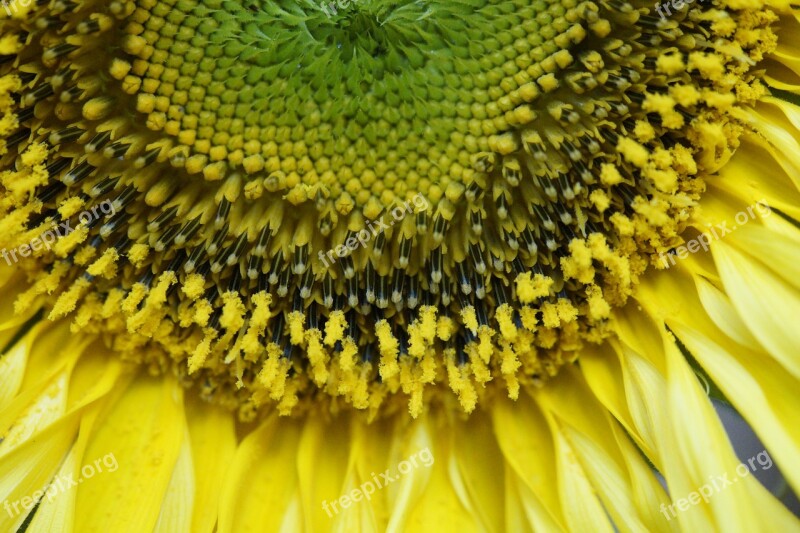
(397, 265)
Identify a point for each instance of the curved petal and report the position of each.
(260, 492)
(143, 432)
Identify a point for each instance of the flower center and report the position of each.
(304, 204)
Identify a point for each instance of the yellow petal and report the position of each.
(756, 385)
(27, 465)
(592, 457)
(528, 448)
(30, 408)
(143, 433)
(703, 451)
(178, 504)
(754, 291)
(12, 368)
(372, 445)
(478, 470)
(322, 456)
(56, 509)
(777, 251)
(213, 442)
(516, 515)
(440, 506)
(260, 492)
(742, 178)
(718, 306)
(408, 494)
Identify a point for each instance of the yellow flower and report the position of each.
(391, 265)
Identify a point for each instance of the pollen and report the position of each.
(376, 210)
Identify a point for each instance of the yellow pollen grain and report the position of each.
(599, 308)
(70, 207)
(528, 318)
(485, 344)
(202, 312)
(685, 95)
(670, 64)
(632, 151)
(470, 318)
(68, 299)
(709, 65)
(67, 243)
(600, 199)
(623, 224)
(334, 328)
(529, 289)
(317, 356)
(644, 131)
(201, 352)
(389, 348)
(416, 344)
(106, 265)
(504, 316)
(460, 383)
(137, 254)
(578, 265)
(193, 286)
(445, 328)
(296, 320)
(609, 175)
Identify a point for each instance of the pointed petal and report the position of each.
(754, 290)
(528, 448)
(260, 492)
(588, 436)
(178, 504)
(477, 470)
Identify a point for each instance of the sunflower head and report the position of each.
(499, 173)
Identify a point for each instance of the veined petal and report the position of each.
(703, 450)
(529, 450)
(477, 468)
(144, 433)
(754, 382)
(406, 496)
(779, 252)
(56, 510)
(589, 437)
(178, 504)
(213, 440)
(736, 180)
(440, 503)
(322, 462)
(517, 517)
(32, 407)
(753, 289)
(261, 491)
(27, 468)
(12, 367)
